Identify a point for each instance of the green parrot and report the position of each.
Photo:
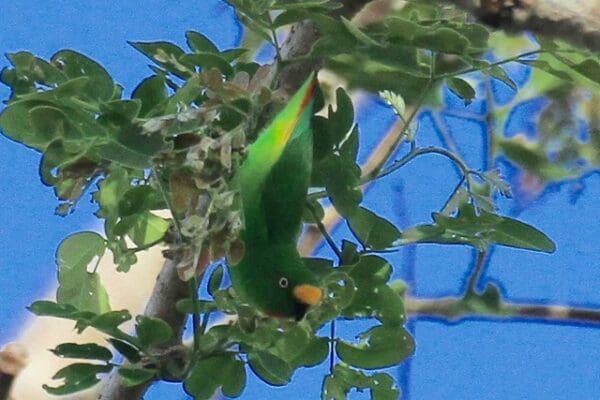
(273, 183)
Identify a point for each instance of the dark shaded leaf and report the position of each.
(462, 89)
(210, 373)
(270, 368)
(372, 230)
(152, 92)
(77, 377)
(152, 331)
(90, 351)
(129, 352)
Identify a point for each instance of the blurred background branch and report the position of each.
(576, 21)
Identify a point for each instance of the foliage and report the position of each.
(178, 141)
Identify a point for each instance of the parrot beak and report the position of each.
(308, 294)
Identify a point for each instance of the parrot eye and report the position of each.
(283, 282)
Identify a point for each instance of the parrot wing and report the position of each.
(274, 177)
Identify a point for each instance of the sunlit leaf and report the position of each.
(77, 286)
(379, 347)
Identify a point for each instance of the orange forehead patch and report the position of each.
(308, 294)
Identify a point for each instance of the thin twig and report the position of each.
(454, 309)
(323, 231)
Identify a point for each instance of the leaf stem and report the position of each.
(323, 231)
(497, 63)
(197, 330)
(475, 274)
(332, 346)
(275, 40)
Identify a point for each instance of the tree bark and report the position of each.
(167, 291)
(576, 21)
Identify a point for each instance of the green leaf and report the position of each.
(589, 68)
(372, 295)
(290, 17)
(270, 368)
(350, 254)
(28, 71)
(479, 230)
(343, 188)
(185, 95)
(107, 322)
(167, 55)
(314, 353)
(74, 65)
(139, 199)
(90, 351)
(187, 306)
(210, 373)
(77, 286)
(200, 43)
(52, 123)
(45, 308)
(120, 112)
(148, 229)
(152, 331)
(77, 377)
(372, 230)
(235, 380)
(379, 347)
(395, 101)
(358, 34)
(292, 344)
(231, 55)
(152, 92)
(215, 280)
(135, 376)
(338, 385)
(498, 72)
(444, 40)
(207, 61)
(340, 121)
(16, 124)
(462, 89)
(127, 350)
(545, 66)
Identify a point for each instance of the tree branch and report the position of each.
(455, 309)
(577, 21)
(168, 290)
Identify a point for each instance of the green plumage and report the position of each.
(273, 182)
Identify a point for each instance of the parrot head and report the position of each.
(277, 282)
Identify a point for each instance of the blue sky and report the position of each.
(477, 359)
